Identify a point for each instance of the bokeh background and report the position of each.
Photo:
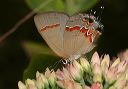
(17, 50)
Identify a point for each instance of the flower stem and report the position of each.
(82, 83)
(23, 20)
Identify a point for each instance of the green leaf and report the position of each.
(39, 63)
(59, 5)
(32, 48)
(68, 6)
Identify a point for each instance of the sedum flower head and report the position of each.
(51, 77)
(85, 65)
(98, 73)
(75, 70)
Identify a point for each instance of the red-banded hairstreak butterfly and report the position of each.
(68, 36)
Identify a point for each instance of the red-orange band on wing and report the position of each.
(72, 28)
(50, 26)
(87, 33)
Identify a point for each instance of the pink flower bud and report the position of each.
(41, 80)
(51, 76)
(69, 84)
(30, 84)
(87, 87)
(21, 85)
(85, 65)
(96, 86)
(95, 59)
(97, 73)
(120, 82)
(60, 75)
(105, 64)
(115, 63)
(75, 70)
(110, 77)
(122, 66)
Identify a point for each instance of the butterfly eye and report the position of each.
(90, 20)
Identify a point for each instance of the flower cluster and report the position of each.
(99, 73)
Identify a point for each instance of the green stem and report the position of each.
(82, 83)
(23, 20)
(106, 86)
(43, 5)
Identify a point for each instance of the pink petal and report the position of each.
(95, 59)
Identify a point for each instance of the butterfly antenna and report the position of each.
(92, 12)
(55, 65)
(100, 13)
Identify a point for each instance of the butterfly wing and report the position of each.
(76, 39)
(51, 27)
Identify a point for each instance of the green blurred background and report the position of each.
(17, 51)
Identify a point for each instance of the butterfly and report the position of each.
(68, 36)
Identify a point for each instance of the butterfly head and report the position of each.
(92, 23)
